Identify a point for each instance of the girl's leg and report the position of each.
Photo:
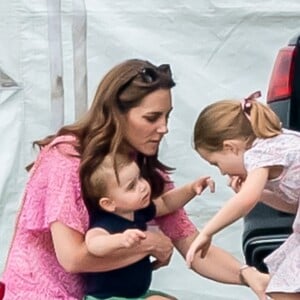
(285, 296)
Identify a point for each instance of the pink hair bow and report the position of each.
(246, 103)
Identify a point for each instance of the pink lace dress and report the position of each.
(53, 194)
(282, 150)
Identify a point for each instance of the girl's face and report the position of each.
(229, 160)
(146, 124)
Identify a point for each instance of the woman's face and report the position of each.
(146, 124)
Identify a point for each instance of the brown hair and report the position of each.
(99, 131)
(227, 119)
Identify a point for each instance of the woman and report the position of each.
(129, 114)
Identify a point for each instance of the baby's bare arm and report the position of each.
(178, 197)
(73, 255)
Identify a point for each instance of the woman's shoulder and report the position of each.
(60, 154)
(65, 144)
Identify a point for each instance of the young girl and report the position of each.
(121, 206)
(244, 139)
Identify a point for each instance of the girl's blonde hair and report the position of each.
(229, 119)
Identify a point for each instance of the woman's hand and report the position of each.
(202, 242)
(256, 280)
(161, 248)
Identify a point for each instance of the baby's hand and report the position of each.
(202, 183)
(132, 237)
(202, 242)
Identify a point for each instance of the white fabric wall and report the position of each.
(216, 48)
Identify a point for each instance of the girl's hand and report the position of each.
(202, 242)
(235, 182)
(201, 184)
(132, 237)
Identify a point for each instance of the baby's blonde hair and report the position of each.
(227, 119)
(106, 171)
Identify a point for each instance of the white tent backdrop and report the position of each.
(54, 53)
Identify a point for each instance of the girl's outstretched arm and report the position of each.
(267, 197)
(271, 199)
(238, 206)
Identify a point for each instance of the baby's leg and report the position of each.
(284, 296)
(157, 297)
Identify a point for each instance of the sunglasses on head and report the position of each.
(144, 78)
(150, 75)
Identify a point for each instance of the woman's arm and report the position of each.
(73, 255)
(176, 198)
(221, 266)
(218, 265)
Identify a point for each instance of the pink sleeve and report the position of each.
(53, 193)
(176, 225)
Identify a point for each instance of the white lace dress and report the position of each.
(283, 150)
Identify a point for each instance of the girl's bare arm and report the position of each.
(240, 204)
(271, 199)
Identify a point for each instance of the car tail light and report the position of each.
(280, 85)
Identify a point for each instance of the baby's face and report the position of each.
(133, 191)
